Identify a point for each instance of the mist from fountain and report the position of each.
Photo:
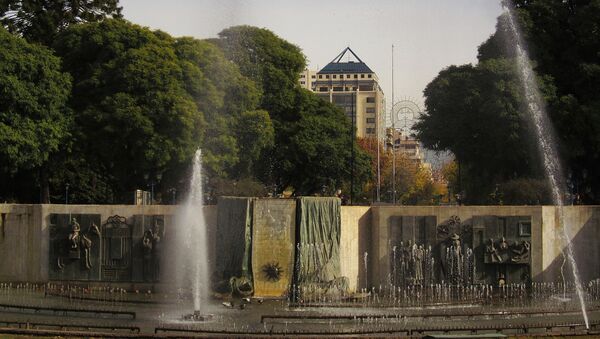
(545, 137)
(192, 244)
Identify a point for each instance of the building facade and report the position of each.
(354, 87)
(405, 144)
(307, 79)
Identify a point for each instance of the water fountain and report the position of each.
(191, 250)
(547, 144)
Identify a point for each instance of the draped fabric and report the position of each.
(318, 244)
(273, 239)
(234, 227)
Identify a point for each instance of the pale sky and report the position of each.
(428, 35)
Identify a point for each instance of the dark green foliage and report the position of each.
(255, 134)
(313, 144)
(34, 119)
(225, 97)
(159, 99)
(477, 111)
(564, 39)
(134, 116)
(144, 102)
(524, 191)
(273, 63)
(316, 150)
(41, 20)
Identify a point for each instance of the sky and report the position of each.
(428, 35)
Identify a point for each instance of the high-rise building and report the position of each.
(406, 144)
(350, 84)
(307, 78)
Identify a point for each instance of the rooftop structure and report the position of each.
(350, 84)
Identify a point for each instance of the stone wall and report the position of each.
(355, 241)
(24, 234)
(20, 243)
(584, 231)
(546, 239)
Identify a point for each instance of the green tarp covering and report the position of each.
(234, 222)
(318, 242)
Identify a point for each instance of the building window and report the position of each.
(362, 76)
(370, 100)
(302, 82)
(347, 76)
(326, 76)
(320, 76)
(370, 130)
(323, 89)
(302, 75)
(335, 76)
(370, 76)
(338, 89)
(370, 120)
(355, 76)
(313, 76)
(370, 109)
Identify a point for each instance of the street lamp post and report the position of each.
(174, 195)
(153, 181)
(66, 193)
(393, 131)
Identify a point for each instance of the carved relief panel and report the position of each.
(116, 249)
(75, 243)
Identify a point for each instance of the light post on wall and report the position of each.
(66, 193)
(153, 181)
(173, 192)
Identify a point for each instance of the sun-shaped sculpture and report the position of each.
(272, 271)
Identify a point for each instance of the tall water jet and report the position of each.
(546, 143)
(191, 248)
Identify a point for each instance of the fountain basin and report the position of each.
(197, 316)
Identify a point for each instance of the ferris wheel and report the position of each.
(404, 114)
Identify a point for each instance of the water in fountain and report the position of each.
(191, 249)
(545, 138)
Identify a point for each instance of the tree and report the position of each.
(236, 133)
(160, 98)
(313, 144)
(273, 63)
(476, 112)
(449, 174)
(34, 118)
(318, 151)
(370, 145)
(255, 134)
(562, 38)
(524, 191)
(41, 20)
(128, 91)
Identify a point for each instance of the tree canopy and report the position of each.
(478, 113)
(41, 20)
(563, 38)
(34, 118)
(142, 102)
(313, 138)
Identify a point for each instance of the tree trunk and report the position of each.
(44, 186)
